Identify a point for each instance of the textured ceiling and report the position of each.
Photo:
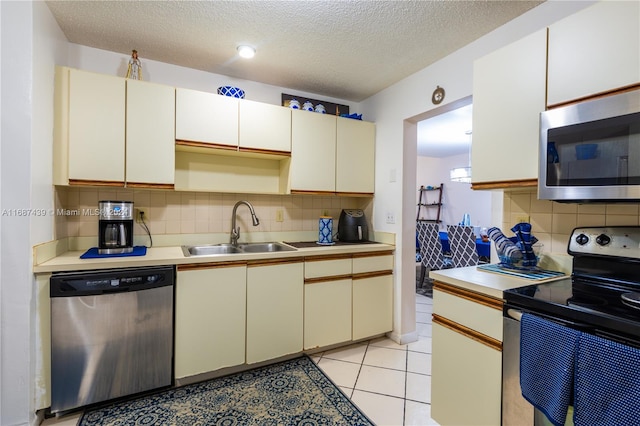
(344, 49)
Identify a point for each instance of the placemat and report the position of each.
(535, 274)
(92, 253)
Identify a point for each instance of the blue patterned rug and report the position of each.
(294, 392)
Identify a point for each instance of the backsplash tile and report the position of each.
(172, 212)
(552, 223)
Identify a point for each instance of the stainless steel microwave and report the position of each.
(590, 151)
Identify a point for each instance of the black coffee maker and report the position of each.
(115, 227)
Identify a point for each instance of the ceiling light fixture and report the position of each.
(462, 174)
(246, 51)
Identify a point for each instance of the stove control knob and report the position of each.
(603, 239)
(582, 239)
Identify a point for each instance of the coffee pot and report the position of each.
(115, 227)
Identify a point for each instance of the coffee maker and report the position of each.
(115, 227)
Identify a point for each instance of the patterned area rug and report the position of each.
(294, 392)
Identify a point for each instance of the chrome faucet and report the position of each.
(235, 232)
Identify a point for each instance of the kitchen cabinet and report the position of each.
(206, 118)
(355, 156)
(264, 127)
(372, 275)
(331, 154)
(210, 317)
(102, 123)
(327, 300)
(275, 302)
(313, 152)
(89, 128)
(508, 96)
(150, 143)
(466, 361)
(593, 51)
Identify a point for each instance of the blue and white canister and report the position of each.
(294, 104)
(325, 230)
(320, 109)
(307, 106)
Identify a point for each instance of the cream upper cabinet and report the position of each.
(355, 156)
(264, 127)
(313, 152)
(89, 134)
(207, 118)
(275, 303)
(508, 97)
(594, 50)
(150, 124)
(210, 318)
(466, 361)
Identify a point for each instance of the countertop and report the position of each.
(70, 261)
(487, 283)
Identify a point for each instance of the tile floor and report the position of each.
(390, 383)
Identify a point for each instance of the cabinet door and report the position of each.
(372, 305)
(274, 310)
(96, 127)
(594, 50)
(327, 313)
(508, 97)
(206, 117)
(210, 319)
(150, 133)
(264, 126)
(466, 380)
(355, 156)
(313, 152)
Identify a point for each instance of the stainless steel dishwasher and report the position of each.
(111, 334)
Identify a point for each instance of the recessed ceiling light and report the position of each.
(246, 51)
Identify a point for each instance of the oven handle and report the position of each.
(515, 314)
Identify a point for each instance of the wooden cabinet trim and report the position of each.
(365, 275)
(506, 184)
(150, 185)
(327, 279)
(373, 254)
(210, 265)
(354, 194)
(472, 296)
(81, 182)
(264, 151)
(267, 262)
(306, 192)
(467, 332)
(212, 146)
(617, 91)
(320, 258)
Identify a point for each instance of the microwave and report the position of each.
(590, 151)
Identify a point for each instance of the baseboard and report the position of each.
(403, 339)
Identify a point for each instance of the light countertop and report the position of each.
(70, 260)
(483, 282)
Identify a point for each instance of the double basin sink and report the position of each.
(213, 249)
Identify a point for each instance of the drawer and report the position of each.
(372, 262)
(483, 315)
(335, 266)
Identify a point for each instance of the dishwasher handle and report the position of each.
(515, 314)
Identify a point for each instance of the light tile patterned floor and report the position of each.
(390, 383)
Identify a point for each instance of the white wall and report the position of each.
(397, 108)
(457, 198)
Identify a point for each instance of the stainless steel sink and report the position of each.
(264, 247)
(213, 249)
(208, 250)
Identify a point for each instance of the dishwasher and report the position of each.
(111, 334)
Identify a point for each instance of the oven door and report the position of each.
(590, 151)
(517, 411)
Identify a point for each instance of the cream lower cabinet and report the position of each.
(210, 316)
(466, 362)
(355, 156)
(508, 97)
(327, 301)
(372, 294)
(275, 299)
(594, 50)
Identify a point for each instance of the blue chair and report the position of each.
(431, 254)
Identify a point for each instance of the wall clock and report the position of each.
(438, 95)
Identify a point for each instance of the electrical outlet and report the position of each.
(391, 217)
(279, 216)
(522, 219)
(145, 214)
